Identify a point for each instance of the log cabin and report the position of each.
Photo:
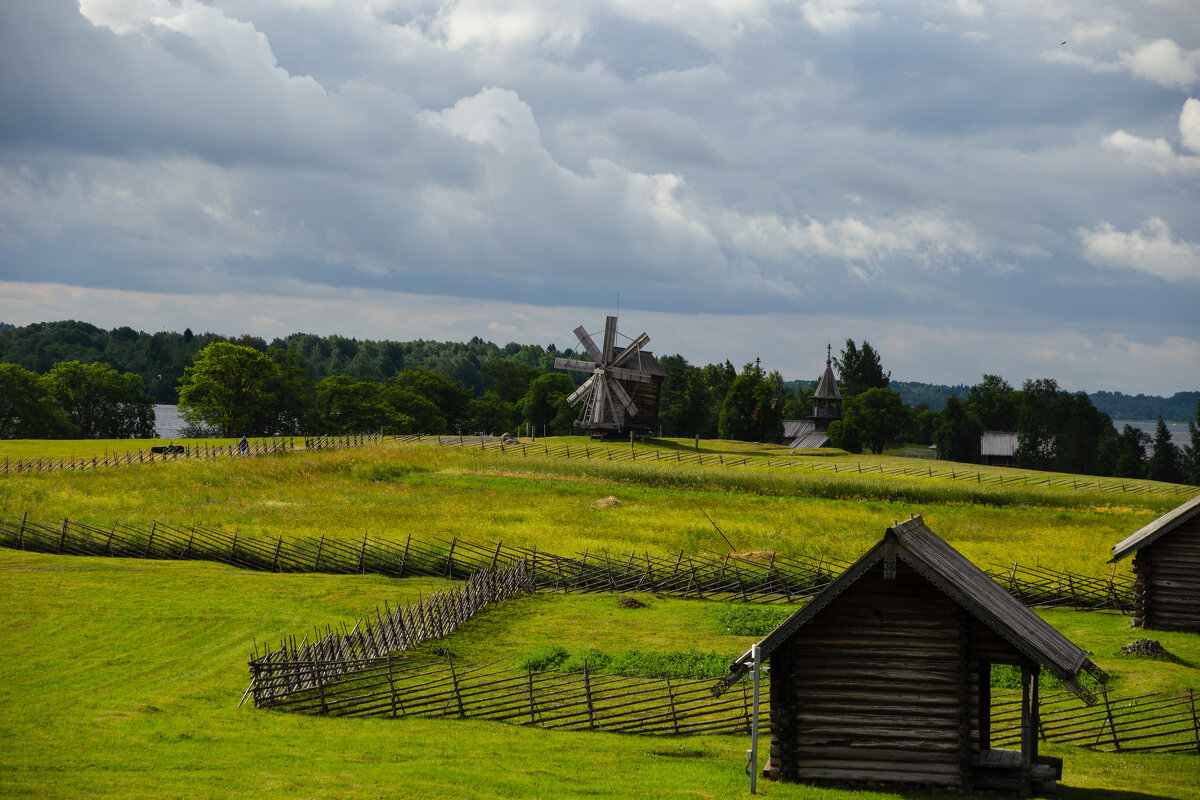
(883, 679)
(1166, 568)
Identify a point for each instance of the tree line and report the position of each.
(306, 383)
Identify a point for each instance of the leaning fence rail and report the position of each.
(1158, 722)
(760, 578)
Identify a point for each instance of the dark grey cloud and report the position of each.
(878, 160)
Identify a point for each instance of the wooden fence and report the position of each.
(632, 452)
(751, 578)
(399, 686)
(1143, 723)
(187, 450)
(294, 667)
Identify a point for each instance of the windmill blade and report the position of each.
(599, 398)
(588, 344)
(634, 347)
(575, 365)
(610, 338)
(616, 388)
(582, 391)
(627, 374)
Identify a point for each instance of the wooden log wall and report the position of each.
(871, 690)
(1167, 583)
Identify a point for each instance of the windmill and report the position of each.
(622, 390)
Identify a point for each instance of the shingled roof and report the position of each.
(943, 566)
(827, 388)
(1151, 533)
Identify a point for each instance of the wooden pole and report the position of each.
(754, 721)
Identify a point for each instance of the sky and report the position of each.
(1009, 188)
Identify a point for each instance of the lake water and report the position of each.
(1179, 430)
(167, 422)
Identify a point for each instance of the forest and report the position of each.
(72, 379)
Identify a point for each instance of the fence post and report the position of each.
(457, 693)
(63, 537)
(275, 562)
(1195, 721)
(587, 691)
(317, 562)
(25, 516)
(671, 698)
(362, 555)
(532, 706)
(150, 541)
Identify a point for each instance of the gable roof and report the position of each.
(802, 434)
(962, 581)
(1151, 533)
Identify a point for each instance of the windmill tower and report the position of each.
(622, 390)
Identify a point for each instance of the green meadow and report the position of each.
(121, 678)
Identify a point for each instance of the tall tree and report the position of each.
(1128, 455)
(753, 407)
(684, 405)
(231, 388)
(957, 433)
(1191, 451)
(545, 403)
(881, 418)
(101, 403)
(994, 403)
(1041, 416)
(26, 409)
(1165, 462)
(860, 370)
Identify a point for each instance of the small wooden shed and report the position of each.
(884, 677)
(1166, 566)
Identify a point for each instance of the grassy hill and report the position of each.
(122, 677)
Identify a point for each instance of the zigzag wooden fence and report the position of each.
(399, 686)
(294, 667)
(186, 451)
(749, 578)
(613, 452)
(1142, 723)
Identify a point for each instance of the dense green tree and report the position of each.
(1165, 462)
(230, 388)
(26, 408)
(1127, 455)
(101, 403)
(1042, 413)
(414, 413)
(925, 424)
(452, 401)
(860, 370)
(346, 405)
(685, 404)
(753, 407)
(994, 404)
(844, 435)
(295, 395)
(880, 417)
(545, 404)
(493, 414)
(1081, 434)
(718, 379)
(1191, 451)
(508, 380)
(957, 433)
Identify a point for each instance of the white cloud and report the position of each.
(1157, 154)
(1151, 249)
(831, 17)
(1163, 62)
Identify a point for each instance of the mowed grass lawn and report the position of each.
(121, 678)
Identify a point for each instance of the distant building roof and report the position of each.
(1150, 533)
(998, 443)
(802, 434)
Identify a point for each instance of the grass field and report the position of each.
(121, 678)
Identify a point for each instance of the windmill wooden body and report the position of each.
(622, 391)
